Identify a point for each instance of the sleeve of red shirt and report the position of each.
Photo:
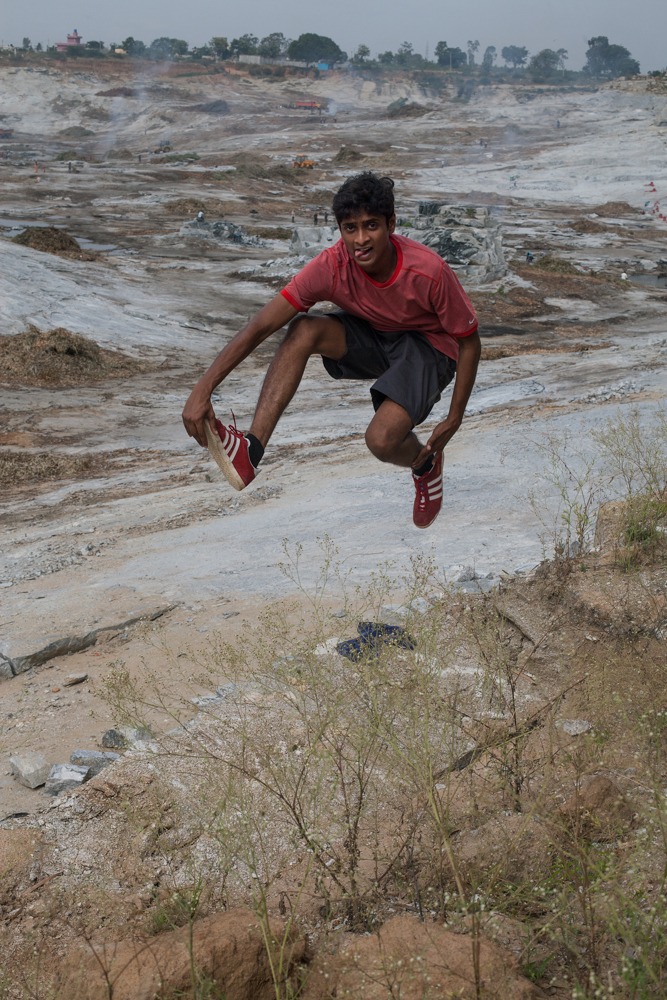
(312, 284)
(452, 305)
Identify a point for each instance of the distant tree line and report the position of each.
(603, 60)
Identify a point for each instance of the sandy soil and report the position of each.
(133, 519)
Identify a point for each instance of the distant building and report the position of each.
(72, 41)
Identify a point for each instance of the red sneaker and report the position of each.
(428, 499)
(229, 449)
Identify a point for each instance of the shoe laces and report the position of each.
(422, 490)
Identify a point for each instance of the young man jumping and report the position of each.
(405, 321)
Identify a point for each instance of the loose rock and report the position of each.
(94, 760)
(73, 679)
(31, 769)
(64, 777)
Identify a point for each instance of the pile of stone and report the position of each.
(467, 238)
(310, 240)
(225, 231)
(34, 771)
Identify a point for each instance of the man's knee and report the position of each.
(324, 335)
(381, 442)
(304, 332)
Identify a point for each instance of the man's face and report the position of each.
(366, 238)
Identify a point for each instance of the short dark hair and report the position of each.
(366, 192)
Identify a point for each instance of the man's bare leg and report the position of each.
(306, 336)
(390, 436)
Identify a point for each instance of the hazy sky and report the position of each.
(639, 25)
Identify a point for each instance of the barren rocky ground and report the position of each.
(122, 544)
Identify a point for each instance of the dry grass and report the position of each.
(190, 206)
(18, 468)
(555, 265)
(59, 358)
(50, 239)
(497, 352)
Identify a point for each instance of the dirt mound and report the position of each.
(256, 171)
(118, 92)
(120, 154)
(588, 226)
(219, 107)
(58, 357)
(347, 154)
(411, 959)
(190, 206)
(75, 132)
(227, 950)
(50, 239)
(612, 208)
(406, 109)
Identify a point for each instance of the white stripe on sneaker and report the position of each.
(231, 445)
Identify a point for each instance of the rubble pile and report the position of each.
(227, 232)
(467, 238)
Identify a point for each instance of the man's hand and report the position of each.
(437, 441)
(197, 412)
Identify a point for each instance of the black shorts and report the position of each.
(407, 368)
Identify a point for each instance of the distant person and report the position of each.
(404, 321)
(200, 216)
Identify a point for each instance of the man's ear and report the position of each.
(391, 223)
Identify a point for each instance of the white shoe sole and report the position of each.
(222, 459)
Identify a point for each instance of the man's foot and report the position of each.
(229, 449)
(428, 498)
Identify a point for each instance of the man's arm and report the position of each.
(198, 409)
(470, 349)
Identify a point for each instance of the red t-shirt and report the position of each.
(422, 295)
